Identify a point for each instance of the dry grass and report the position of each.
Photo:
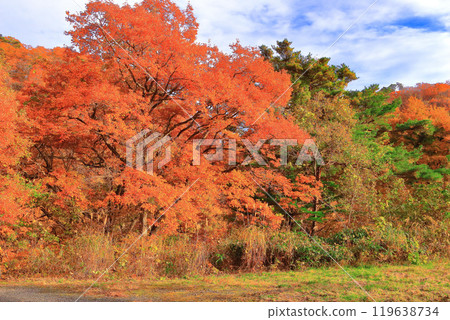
(429, 282)
(244, 249)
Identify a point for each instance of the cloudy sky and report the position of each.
(405, 41)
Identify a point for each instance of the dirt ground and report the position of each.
(44, 294)
(429, 282)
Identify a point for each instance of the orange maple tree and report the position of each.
(14, 196)
(425, 114)
(139, 67)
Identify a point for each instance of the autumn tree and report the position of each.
(15, 214)
(422, 123)
(396, 145)
(139, 67)
(318, 107)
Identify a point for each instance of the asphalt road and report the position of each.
(36, 294)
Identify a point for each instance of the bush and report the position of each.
(245, 249)
(172, 256)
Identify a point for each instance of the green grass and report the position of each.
(430, 282)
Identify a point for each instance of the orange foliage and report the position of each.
(143, 70)
(426, 102)
(13, 195)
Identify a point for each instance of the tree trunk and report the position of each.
(317, 172)
(144, 225)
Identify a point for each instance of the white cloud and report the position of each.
(379, 53)
(253, 22)
(376, 48)
(405, 56)
(37, 22)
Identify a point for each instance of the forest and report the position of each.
(71, 206)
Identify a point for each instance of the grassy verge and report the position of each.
(429, 282)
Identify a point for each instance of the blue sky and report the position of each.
(396, 40)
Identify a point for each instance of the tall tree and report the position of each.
(308, 74)
(139, 67)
